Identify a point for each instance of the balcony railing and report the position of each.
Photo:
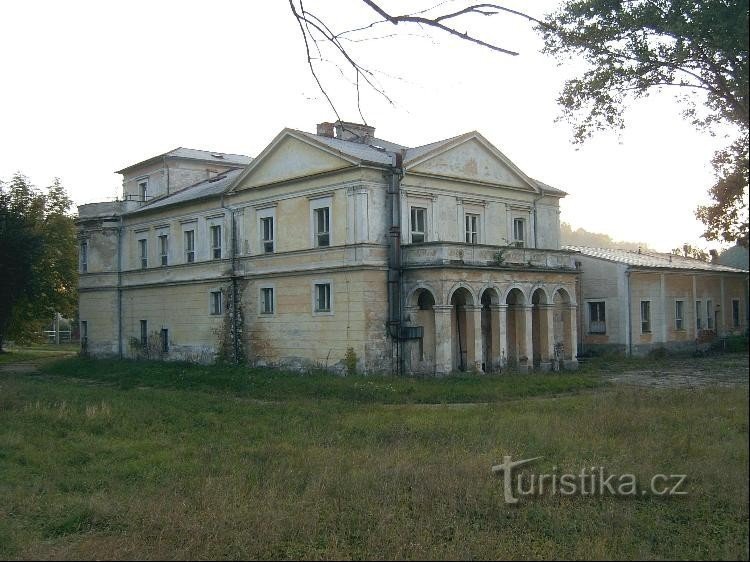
(456, 253)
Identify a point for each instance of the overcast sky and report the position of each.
(89, 87)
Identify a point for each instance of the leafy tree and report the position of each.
(38, 256)
(636, 47)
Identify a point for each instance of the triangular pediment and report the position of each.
(288, 157)
(472, 158)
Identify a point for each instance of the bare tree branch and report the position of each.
(314, 29)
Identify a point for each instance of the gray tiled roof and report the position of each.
(651, 259)
(205, 188)
(194, 154)
(549, 189)
(356, 150)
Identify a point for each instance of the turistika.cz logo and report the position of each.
(590, 481)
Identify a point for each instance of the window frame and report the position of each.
(709, 315)
(601, 307)
(472, 236)
(215, 307)
(163, 249)
(164, 340)
(646, 318)
(315, 300)
(519, 242)
(215, 232)
(143, 252)
(679, 315)
(144, 334)
(143, 185)
(322, 237)
(267, 245)
(262, 300)
(414, 212)
(84, 252)
(316, 204)
(698, 315)
(188, 235)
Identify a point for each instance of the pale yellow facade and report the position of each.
(431, 260)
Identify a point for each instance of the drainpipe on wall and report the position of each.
(394, 256)
(119, 289)
(630, 316)
(233, 261)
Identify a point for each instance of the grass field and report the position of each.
(103, 459)
(40, 352)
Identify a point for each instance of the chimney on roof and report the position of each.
(714, 256)
(325, 129)
(686, 250)
(354, 132)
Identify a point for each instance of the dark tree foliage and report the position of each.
(38, 256)
(633, 48)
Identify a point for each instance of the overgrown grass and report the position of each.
(122, 460)
(274, 385)
(37, 352)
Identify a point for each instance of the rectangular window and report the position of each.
(266, 230)
(698, 316)
(322, 297)
(163, 249)
(472, 229)
(709, 315)
(216, 242)
(189, 246)
(418, 224)
(266, 300)
(736, 313)
(143, 189)
(144, 334)
(322, 224)
(597, 318)
(84, 330)
(164, 340)
(84, 257)
(645, 317)
(679, 315)
(215, 303)
(519, 232)
(143, 245)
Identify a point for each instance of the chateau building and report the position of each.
(330, 248)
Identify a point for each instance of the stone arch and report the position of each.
(463, 331)
(462, 285)
(489, 298)
(516, 322)
(413, 296)
(542, 294)
(568, 296)
(564, 319)
(421, 352)
(541, 326)
(509, 290)
(494, 292)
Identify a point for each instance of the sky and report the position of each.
(90, 87)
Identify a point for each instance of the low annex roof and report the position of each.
(194, 154)
(206, 188)
(652, 260)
